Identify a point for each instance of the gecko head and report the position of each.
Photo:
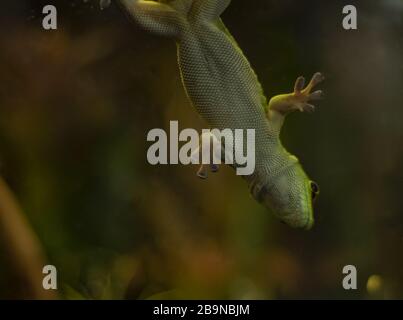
(290, 196)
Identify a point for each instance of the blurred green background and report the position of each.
(76, 105)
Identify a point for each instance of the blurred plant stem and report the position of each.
(25, 250)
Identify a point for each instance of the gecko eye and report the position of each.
(314, 189)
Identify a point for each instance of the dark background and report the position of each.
(76, 105)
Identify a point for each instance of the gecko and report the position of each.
(224, 89)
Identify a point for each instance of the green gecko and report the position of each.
(225, 91)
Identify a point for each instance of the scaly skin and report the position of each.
(225, 91)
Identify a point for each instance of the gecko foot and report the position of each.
(300, 99)
(202, 173)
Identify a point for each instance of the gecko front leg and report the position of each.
(280, 106)
(209, 153)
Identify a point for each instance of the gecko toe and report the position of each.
(299, 84)
(318, 77)
(317, 95)
(309, 108)
(202, 173)
(202, 176)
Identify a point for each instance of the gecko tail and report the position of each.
(171, 18)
